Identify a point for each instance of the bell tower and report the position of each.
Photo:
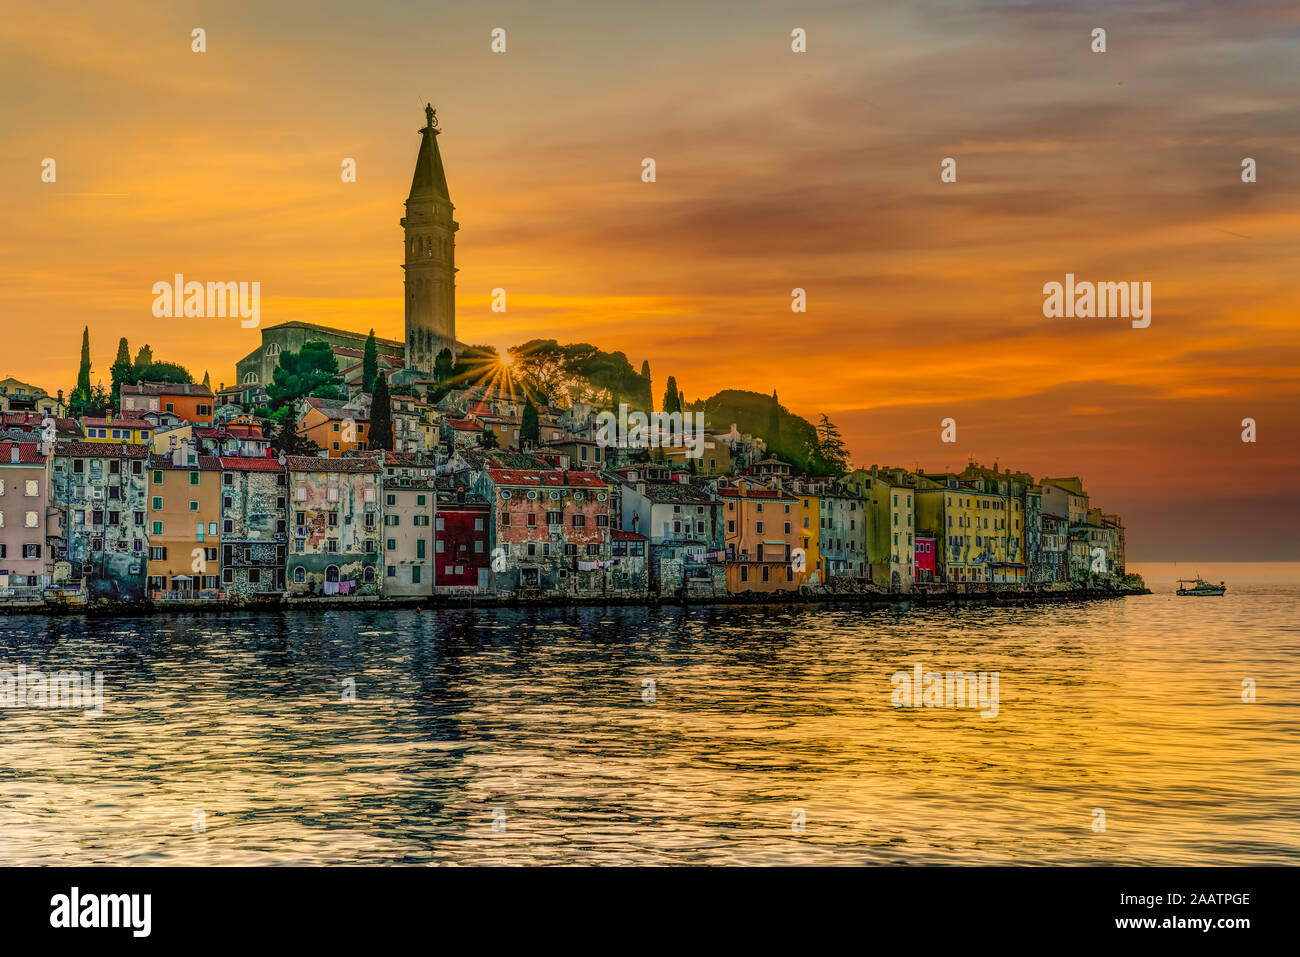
(430, 262)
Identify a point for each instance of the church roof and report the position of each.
(429, 182)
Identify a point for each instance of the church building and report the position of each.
(429, 265)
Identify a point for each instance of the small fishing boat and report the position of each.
(1198, 586)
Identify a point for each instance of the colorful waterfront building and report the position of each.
(101, 490)
(926, 552)
(184, 526)
(809, 523)
(682, 526)
(962, 518)
(1006, 528)
(1034, 533)
(26, 515)
(887, 498)
(552, 528)
(409, 499)
(1054, 558)
(335, 526)
(843, 532)
(630, 569)
(760, 537)
(461, 538)
(254, 527)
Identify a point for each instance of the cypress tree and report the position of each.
(530, 431)
(83, 374)
(672, 401)
(120, 372)
(649, 387)
(381, 417)
(369, 364)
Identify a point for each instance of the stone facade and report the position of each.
(552, 529)
(254, 528)
(335, 526)
(102, 492)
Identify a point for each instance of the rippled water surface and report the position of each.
(225, 739)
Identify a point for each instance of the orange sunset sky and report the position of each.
(775, 170)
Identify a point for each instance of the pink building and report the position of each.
(24, 511)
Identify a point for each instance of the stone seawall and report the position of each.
(932, 596)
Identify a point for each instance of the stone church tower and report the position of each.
(430, 264)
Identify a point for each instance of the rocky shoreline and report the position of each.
(924, 597)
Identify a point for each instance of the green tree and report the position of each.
(83, 373)
(284, 438)
(541, 367)
(672, 400)
(831, 448)
(487, 439)
(794, 438)
(381, 416)
(312, 370)
(442, 366)
(530, 431)
(648, 395)
(162, 372)
(369, 364)
(143, 358)
(120, 372)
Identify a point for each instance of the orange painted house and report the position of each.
(761, 528)
(189, 401)
(332, 427)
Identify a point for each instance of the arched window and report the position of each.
(332, 573)
(299, 575)
(369, 573)
(250, 378)
(273, 349)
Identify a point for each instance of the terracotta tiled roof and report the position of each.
(617, 534)
(28, 453)
(674, 492)
(552, 478)
(311, 463)
(119, 423)
(165, 462)
(167, 388)
(727, 491)
(250, 464)
(101, 450)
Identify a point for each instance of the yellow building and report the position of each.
(968, 525)
(714, 458)
(760, 535)
(115, 431)
(19, 396)
(184, 526)
(1006, 526)
(890, 502)
(808, 526)
(167, 438)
